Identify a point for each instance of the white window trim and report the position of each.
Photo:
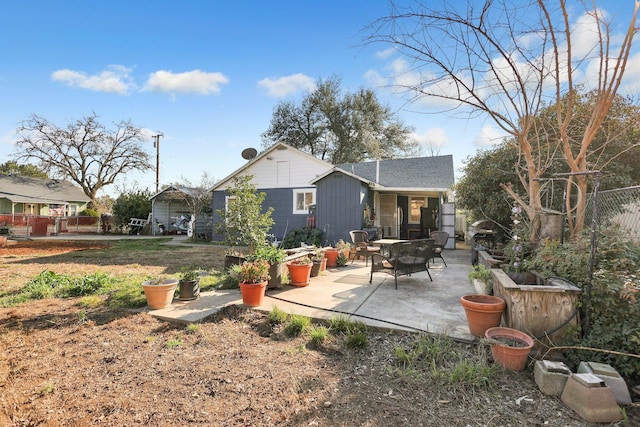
(297, 191)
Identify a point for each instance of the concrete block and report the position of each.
(551, 377)
(611, 378)
(591, 398)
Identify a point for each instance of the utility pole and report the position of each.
(156, 144)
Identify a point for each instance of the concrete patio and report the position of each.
(417, 305)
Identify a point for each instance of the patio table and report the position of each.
(385, 243)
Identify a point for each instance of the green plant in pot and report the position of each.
(317, 259)
(300, 271)
(252, 277)
(189, 283)
(482, 279)
(275, 257)
(159, 291)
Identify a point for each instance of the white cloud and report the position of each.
(489, 136)
(196, 81)
(432, 138)
(287, 85)
(115, 79)
(385, 54)
(375, 78)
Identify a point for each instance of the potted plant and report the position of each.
(344, 248)
(243, 221)
(482, 279)
(275, 257)
(159, 292)
(342, 260)
(483, 312)
(252, 278)
(300, 271)
(317, 260)
(331, 255)
(189, 284)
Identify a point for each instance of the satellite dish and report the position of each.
(249, 153)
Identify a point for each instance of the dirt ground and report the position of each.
(62, 365)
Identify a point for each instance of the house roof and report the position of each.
(170, 193)
(26, 189)
(432, 173)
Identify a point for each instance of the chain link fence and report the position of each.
(619, 207)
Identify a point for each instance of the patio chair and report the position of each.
(360, 240)
(440, 240)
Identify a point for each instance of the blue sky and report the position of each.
(206, 74)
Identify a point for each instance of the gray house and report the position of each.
(397, 198)
(284, 174)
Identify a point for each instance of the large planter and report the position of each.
(159, 295)
(230, 260)
(252, 293)
(189, 289)
(544, 308)
(483, 312)
(275, 276)
(332, 257)
(299, 274)
(509, 347)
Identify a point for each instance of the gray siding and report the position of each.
(280, 199)
(339, 206)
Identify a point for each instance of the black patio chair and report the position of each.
(363, 248)
(440, 240)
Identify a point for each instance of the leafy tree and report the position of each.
(340, 128)
(134, 204)
(243, 221)
(614, 151)
(13, 168)
(84, 151)
(502, 60)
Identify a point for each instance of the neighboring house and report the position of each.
(23, 195)
(397, 198)
(284, 174)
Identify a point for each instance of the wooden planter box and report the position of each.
(546, 311)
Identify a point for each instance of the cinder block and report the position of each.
(551, 377)
(591, 398)
(611, 378)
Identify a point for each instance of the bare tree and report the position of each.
(84, 152)
(505, 60)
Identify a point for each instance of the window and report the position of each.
(415, 203)
(302, 199)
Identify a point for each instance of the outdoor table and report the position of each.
(385, 243)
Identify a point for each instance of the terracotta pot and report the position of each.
(299, 274)
(159, 296)
(189, 290)
(332, 256)
(512, 347)
(323, 264)
(483, 312)
(252, 293)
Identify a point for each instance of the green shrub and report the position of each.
(318, 335)
(277, 316)
(614, 312)
(308, 235)
(297, 325)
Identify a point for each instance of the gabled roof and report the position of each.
(265, 155)
(170, 192)
(26, 189)
(433, 173)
